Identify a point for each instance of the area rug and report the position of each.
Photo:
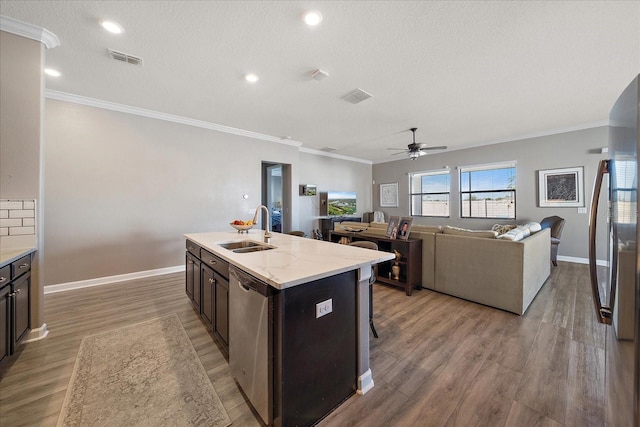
(146, 374)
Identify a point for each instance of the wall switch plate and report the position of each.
(582, 210)
(324, 307)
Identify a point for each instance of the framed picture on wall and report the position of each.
(561, 187)
(389, 195)
(404, 228)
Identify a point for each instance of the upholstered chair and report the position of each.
(372, 280)
(556, 224)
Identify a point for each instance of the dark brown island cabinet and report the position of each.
(207, 286)
(15, 298)
(409, 264)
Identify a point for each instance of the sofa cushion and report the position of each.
(490, 234)
(426, 228)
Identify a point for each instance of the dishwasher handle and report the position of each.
(248, 282)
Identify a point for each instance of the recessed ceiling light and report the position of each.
(313, 18)
(51, 72)
(112, 27)
(251, 78)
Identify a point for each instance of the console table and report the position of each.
(410, 263)
(326, 223)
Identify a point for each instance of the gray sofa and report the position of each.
(499, 273)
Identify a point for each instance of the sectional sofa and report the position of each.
(476, 265)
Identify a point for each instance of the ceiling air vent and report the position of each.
(356, 96)
(125, 57)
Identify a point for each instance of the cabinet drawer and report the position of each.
(5, 275)
(193, 248)
(20, 266)
(217, 263)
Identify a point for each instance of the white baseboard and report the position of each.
(600, 262)
(51, 289)
(37, 334)
(365, 382)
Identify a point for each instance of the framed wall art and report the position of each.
(389, 195)
(561, 187)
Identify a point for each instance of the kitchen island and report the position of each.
(317, 333)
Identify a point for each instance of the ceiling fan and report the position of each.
(415, 150)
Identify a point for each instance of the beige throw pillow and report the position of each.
(487, 234)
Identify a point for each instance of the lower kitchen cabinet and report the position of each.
(208, 294)
(192, 280)
(5, 323)
(15, 305)
(221, 329)
(207, 286)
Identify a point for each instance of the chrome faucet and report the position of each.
(267, 232)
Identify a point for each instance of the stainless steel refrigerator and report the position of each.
(616, 293)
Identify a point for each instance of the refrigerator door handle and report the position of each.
(603, 313)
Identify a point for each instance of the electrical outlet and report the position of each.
(582, 210)
(324, 307)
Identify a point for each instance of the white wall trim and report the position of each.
(51, 289)
(539, 134)
(336, 156)
(29, 31)
(121, 108)
(576, 260)
(37, 334)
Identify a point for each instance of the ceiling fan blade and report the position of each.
(394, 154)
(441, 147)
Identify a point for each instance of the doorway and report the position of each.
(276, 195)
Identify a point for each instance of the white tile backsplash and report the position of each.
(17, 217)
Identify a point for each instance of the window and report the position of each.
(488, 191)
(430, 193)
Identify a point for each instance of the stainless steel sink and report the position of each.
(252, 249)
(245, 246)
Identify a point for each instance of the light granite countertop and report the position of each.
(7, 256)
(294, 261)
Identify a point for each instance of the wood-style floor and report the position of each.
(439, 361)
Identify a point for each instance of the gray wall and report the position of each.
(21, 85)
(332, 174)
(121, 190)
(577, 148)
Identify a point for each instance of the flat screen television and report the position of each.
(339, 203)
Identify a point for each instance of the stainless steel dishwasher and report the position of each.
(251, 339)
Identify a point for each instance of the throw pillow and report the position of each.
(533, 227)
(515, 235)
(490, 234)
(503, 228)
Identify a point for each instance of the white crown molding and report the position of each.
(29, 31)
(335, 156)
(583, 126)
(52, 289)
(98, 103)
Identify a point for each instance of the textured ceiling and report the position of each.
(464, 73)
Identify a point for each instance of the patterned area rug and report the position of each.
(146, 374)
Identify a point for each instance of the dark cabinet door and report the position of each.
(208, 285)
(21, 308)
(5, 331)
(193, 280)
(222, 309)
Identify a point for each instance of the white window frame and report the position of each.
(418, 175)
(485, 167)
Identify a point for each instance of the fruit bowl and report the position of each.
(241, 228)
